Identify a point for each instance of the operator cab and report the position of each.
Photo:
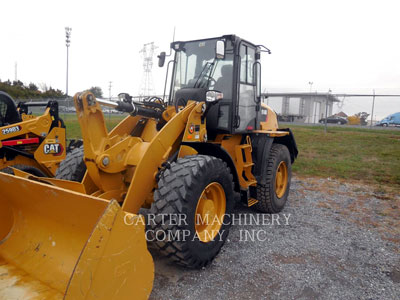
(8, 110)
(226, 64)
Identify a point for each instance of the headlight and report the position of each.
(212, 96)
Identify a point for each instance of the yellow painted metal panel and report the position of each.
(48, 235)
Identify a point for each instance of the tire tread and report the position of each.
(73, 168)
(264, 191)
(174, 188)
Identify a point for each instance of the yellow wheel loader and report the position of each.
(187, 160)
(32, 144)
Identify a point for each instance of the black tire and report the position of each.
(178, 192)
(268, 200)
(28, 169)
(73, 168)
(339, 123)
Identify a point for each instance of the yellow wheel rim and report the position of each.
(281, 179)
(210, 212)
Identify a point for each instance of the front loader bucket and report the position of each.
(59, 244)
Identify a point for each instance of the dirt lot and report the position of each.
(342, 241)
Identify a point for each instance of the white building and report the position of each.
(300, 107)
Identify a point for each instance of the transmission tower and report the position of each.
(147, 86)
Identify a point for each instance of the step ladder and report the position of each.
(244, 163)
(251, 202)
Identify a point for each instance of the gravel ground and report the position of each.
(341, 242)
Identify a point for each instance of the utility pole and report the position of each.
(326, 111)
(67, 43)
(109, 97)
(109, 89)
(373, 106)
(16, 71)
(311, 84)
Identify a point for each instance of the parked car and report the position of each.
(334, 120)
(391, 120)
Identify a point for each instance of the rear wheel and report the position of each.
(73, 168)
(272, 196)
(192, 208)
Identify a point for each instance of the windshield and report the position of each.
(197, 67)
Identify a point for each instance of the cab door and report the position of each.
(246, 111)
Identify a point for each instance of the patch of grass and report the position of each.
(368, 155)
(74, 130)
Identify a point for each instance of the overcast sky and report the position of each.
(347, 46)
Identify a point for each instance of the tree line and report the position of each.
(18, 90)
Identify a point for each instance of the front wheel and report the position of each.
(190, 217)
(272, 195)
(73, 168)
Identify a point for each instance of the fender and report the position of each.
(289, 142)
(262, 144)
(216, 151)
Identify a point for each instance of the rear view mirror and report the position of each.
(161, 59)
(220, 50)
(257, 75)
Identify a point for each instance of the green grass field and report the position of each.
(74, 131)
(370, 156)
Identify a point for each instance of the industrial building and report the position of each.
(300, 107)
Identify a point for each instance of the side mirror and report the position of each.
(161, 59)
(257, 70)
(220, 50)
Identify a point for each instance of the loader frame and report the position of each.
(85, 240)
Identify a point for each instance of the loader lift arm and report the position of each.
(118, 163)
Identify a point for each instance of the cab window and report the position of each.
(247, 56)
(247, 105)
